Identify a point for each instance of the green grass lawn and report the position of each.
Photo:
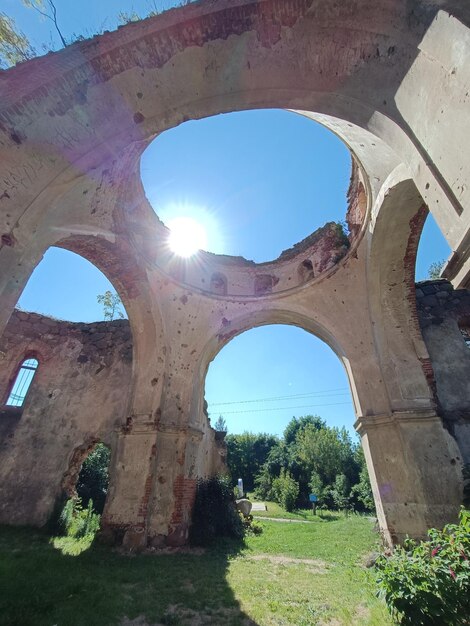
(292, 574)
(273, 509)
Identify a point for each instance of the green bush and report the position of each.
(285, 490)
(428, 583)
(214, 512)
(339, 492)
(79, 522)
(264, 484)
(250, 525)
(93, 480)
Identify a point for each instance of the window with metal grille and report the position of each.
(23, 380)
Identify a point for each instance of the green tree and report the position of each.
(14, 45)
(361, 493)
(435, 269)
(298, 424)
(93, 479)
(318, 488)
(111, 305)
(286, 490)
(318, 454)
(340, 492)
(48, 10)
(327, 451)
(246, 454)
(221, 424)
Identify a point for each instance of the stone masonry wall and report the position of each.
(442, 313)
(78, 396)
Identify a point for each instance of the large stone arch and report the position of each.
(388, 79)
(244, 323)
(359, 63)
(130, 485)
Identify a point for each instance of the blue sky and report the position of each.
(260, 181)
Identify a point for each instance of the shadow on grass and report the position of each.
(41, 586)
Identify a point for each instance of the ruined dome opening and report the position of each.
(258, 182)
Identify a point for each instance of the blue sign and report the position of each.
(313, 497)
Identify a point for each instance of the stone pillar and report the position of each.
(16, 265)
(415, 472)
(132, 476)
(175, 487)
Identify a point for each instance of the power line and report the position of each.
(285, 408)
(340, 391)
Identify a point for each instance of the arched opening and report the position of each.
(22, 382)
(93, 478)
(284, 398)
(261, 376)
(257, 181)
(85, 487)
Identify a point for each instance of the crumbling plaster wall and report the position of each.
(441, 310)
(79, 395)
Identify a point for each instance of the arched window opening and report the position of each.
(22, 382)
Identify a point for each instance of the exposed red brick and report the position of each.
(184, 491)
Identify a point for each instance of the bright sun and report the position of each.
(186, 236)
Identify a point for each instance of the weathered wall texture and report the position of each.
(443, 311)
(79, 396)
(392, 79)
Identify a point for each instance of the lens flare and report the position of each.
(186, 236)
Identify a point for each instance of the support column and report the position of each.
(175, 487)
(132, 475)
(415, 471)
(17, 265)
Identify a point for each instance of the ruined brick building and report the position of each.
(392, 79)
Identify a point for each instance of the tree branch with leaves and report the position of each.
(112, 304)
(47, 9)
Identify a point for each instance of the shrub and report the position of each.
(428, 583)
(286, 490)
(264, 484)
(251, 526)
(361, 493)
(339, 492)
(93, 479)
(79, 522)
(214, 512)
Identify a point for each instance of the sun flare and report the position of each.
(186, 236)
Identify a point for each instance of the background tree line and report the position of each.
(310, 457)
